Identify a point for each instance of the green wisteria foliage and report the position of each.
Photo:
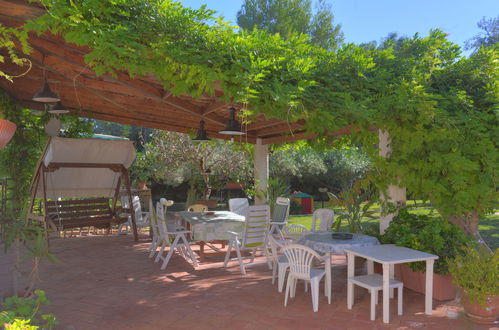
(438, 107)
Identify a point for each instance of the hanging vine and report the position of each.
(439, 108)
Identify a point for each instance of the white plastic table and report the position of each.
(388, 255)
(324, 243)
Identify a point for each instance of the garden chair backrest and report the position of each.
(300, 258)
(295, 231)
(238, 205)
(281, 210)
(277, 245)
(197, 208)
(256, 226)
(326, 217)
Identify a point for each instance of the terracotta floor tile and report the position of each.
(108, 282)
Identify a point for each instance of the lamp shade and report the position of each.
(45, 95)
(201, 135)
(233, 127)
(7, 130)
(58, 109)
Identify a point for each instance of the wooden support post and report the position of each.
(394, 194)
(126, 178)
(45, 224)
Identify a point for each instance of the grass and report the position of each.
(488, 227)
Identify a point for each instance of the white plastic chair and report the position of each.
(253, 237)
(295, 231)
(374, 283)
(301, 259)
(325, 217)
(166, 234)
(141, 218)
(280, 216)
(280, 263)
(238, 205)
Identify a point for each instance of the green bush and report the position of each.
(477, 273)
(24, 313)
(428, 234)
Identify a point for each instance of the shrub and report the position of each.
(428, 234)
(24, 313)
(477, 273)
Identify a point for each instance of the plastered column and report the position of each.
(261, 159)
(395, 194)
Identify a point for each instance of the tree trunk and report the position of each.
(469, 225)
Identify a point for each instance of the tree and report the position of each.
(173, 158)
(292, 16)
(488, 37)
(308, 169)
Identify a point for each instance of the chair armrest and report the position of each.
(179, 232)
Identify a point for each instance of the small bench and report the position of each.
(374, 283)
(78, 213)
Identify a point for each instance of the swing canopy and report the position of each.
(77, 168)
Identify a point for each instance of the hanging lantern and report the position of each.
(201, 136)
(46, 95)
(7, 130)
(233, 127)
(58, 109)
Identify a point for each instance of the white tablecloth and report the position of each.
(323, 242)
(213, 227)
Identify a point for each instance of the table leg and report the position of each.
(350, 273)
(429, 287)
(370, 267)
(201, 251)
(386, 293)
(328, 276)
(392, 276)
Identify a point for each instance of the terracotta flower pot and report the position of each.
(488, 314)
(7, 130)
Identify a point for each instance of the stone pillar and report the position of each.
(395, 194)
(261, 160)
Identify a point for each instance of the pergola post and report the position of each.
(394, 194)
(261, 160)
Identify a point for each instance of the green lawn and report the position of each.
(489, 225)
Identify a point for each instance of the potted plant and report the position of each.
(432, 235)
(7, 130)
(476, 273)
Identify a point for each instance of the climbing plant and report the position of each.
(438, 107)
(8, 38)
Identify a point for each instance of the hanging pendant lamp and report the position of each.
(58, 109)
(233, 127)
(201, 135)
(45, 95)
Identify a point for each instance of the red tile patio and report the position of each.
(107, 282)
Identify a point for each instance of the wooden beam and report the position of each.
(215, 106)
(306, 136)
(156, 95)
(278, 129)
(20, 10)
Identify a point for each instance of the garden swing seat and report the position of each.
(78, 183)
(78, 213)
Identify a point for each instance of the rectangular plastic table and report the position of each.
(212, 228)
(388, 255)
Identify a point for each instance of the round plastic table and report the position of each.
(323, 242)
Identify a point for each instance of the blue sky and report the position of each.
(367, 20)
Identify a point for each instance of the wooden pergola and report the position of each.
(141, 101)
